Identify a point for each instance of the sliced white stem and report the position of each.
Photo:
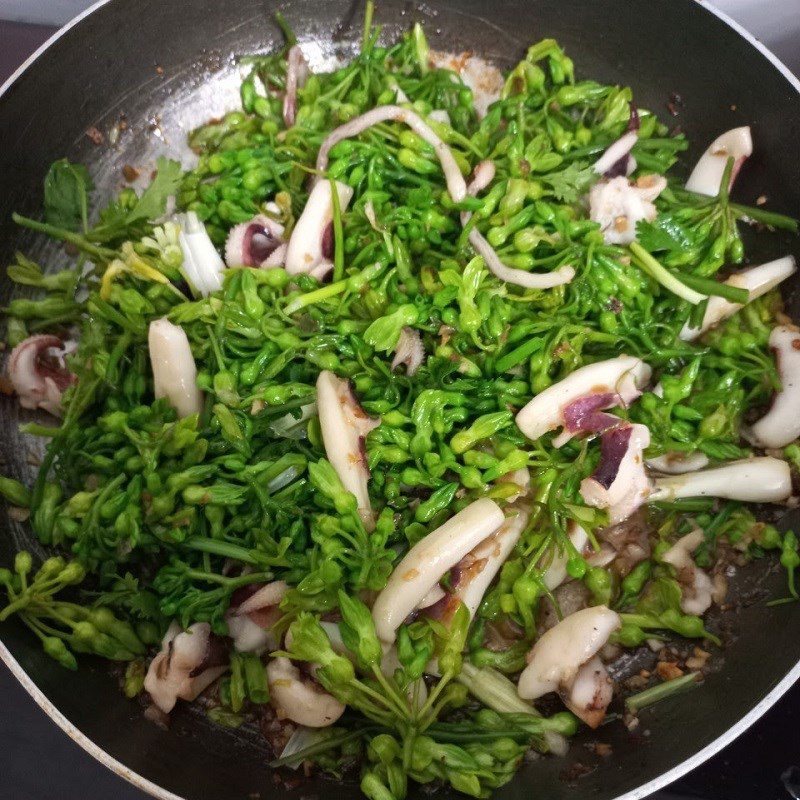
(174, 370)
(344, 424)
(781, 424)
(202, 264)
(456, 185)
(624, 377)
(754, 480)
(706, 177)
(300, 700)
(426, 562)
(757, 280)
(555, 659)
(697, 588)
(304, 251)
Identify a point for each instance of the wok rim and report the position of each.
(153, 789)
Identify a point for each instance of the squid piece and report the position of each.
(677, 463)
(189, 662)
(620, 482)
(616, 152)
(754, 480)
(202, 265)
(757, 280)
(620, 380)
(426, 562)
(781, 424)
(697, 588)
(38, 372)
(456, 186)
(590, 693)
(310, 246)
(476, 571)
(301, 701)
(251, 244)
(556, 660)
(174, 370)
(344, 426)
(483, 78)
(618, 205)
(706, 177)
(556, 572)
(297, 73)
(250, 619)
(409, 351)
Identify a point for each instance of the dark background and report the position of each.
(39, 762)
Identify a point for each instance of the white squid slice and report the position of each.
(456, 185)
(707, 174)
(615, 152)
(630, 487)
(300, 700)
(202, 265)
(556, 658)
(757, 280)
(556, 572)
(304, 251)
(174, 370)
(483, 78)
(409, 351)
(624, 377)
(169, 677)
(781, 424)
(677, 463)
(426, 562)
(618, 205)
(697, 588)
(521, 478)
(590, 693)
(250, 622)
(344, 425)
(486, 559)
(754, 480)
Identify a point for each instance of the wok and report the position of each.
(165, 67)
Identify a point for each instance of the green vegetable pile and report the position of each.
(161, 518)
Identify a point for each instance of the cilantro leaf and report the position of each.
(66, 189)
(570, 183)
(153, 200)
(125, 218)
(663, 234)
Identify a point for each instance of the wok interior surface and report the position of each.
(105, 69)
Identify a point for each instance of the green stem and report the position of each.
(648, 264)
(706, 286)
(663, 690)
(316, 296)
(102, 253)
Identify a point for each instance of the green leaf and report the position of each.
(663, 234)
(153, 201)
(66, 189)
(570, 183)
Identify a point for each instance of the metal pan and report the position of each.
(165, 67)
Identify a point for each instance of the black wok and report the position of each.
(164, 67)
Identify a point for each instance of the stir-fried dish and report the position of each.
(423, 403)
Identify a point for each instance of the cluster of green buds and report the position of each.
(62, 626)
